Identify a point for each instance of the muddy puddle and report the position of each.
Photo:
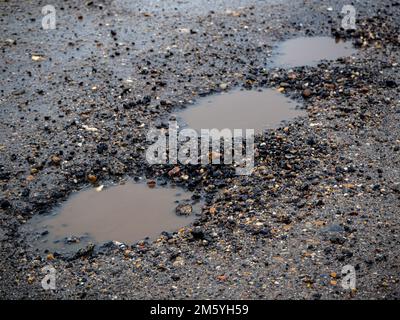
(241, 109)
(125, 213)
(309, 51)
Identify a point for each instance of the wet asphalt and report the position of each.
(76, 103)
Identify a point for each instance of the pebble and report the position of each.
(50, 257)
(38, 58)
(179, 262)
(174, 171)
(92, 178)
(55, 160)
(198, 233)
(336, 239)
(307, 93)
(183, 209)
(101, 147)
(151, 183)
(5, 204)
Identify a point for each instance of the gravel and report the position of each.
(75, 106)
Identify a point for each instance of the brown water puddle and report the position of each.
(309, 51)
(241, 109)
(125, 213)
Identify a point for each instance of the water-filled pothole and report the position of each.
(125, 213)
(241, 109)
(309, 51)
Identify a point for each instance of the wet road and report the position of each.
(325, 191)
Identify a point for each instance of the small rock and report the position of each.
(5, 204)
(307, 93)
(222, 277)
(175, 277)
(179, 262)
(174, 171)
(127, 253)
(70, 240)
(90, 129)
(391, 84)
(223, 86)
(10, 41)
(151, 183)
(101, 147)
(85, 252)
(266, 232)
(38, 57)
(184, 30)
(183, 209)
(311, 141)
(92, 178)
(232, 13)
(167, 234)
(336, 239)
(31, 279)
(197, 233)
(396, 187)
(55, 160)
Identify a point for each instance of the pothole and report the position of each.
(241, 109)
(126, 213)
(309, 51)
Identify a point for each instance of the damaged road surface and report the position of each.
(323, 199)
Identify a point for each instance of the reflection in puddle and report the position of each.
(238, 109)
(309, 51)
(125, 213)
